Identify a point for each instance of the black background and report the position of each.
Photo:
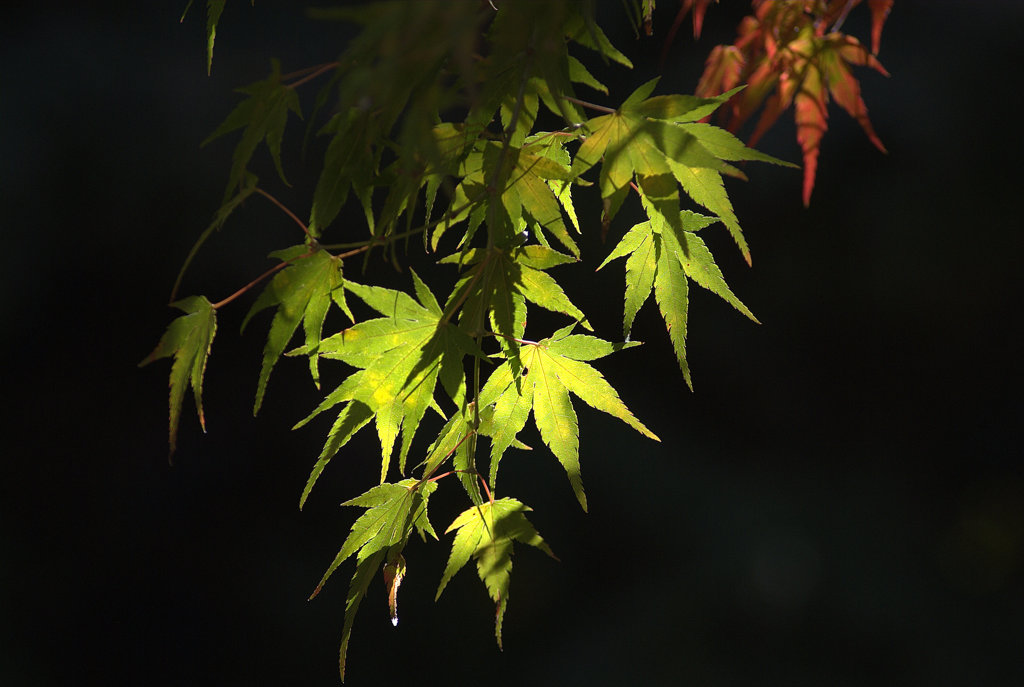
(840, 501)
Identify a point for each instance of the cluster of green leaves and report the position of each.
(434, 131)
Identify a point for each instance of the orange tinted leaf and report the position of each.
(879, 13)
(845, 89)
(778, 103)
(721, 71)
(698, 15)
(855, 53)
(811, 124)
(699, 7)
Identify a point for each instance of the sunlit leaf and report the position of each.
(188, 339)
(549, 374)
(486, 534)
(302, 292)
(262, 116)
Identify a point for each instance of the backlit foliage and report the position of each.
(456, 128)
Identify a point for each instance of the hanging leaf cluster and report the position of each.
(455, 128)
(792, 53)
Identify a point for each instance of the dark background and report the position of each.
(840, 501)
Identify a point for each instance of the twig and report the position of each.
(588, 105)
(428, 477)
(319, 70)
(523, 342)
(288, 212)
(487, 489)
(258, 279)
(842, 16)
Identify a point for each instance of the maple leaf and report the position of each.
(656, 137)
(498, 285)
(699, 8)
(879, 13)
(393, 512)
(188, 339)
(551, 369)
(486, 533)
(263, 116)
(347, 162)
(540, 184)
(214, 8)
(402, 355)
(301, 292)
(662, 256)
(788, 60)
(537, 180)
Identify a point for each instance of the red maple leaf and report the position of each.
(792, 53)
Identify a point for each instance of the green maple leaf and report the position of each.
(263, 116)
(302, 292)
(662, 255)
(402, 355)
(214, 8)
(583, 29)
(393, 512)
(498, 285)
(486, 533)
(535, 181)
(537, 165)
(188, 339)
(551, 369)
(657, 137)
(347, 161)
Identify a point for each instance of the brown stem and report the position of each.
(258, 279)
(487, 489)
(522, 342)
(355, 251)
(842, 16)
(317, 72)
(437, 477)
(428, 477)
(288, 212)
(590, 106)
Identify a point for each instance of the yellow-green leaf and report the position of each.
(188, 339)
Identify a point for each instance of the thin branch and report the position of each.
(589, 105)
(288, 212)
(355, 251)
(487, 489)
(522, 342)
(384, 240)
(299, 72)
(842, 16)
(258, 279)
(427, 477)
(318, 71)
(435, 478)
